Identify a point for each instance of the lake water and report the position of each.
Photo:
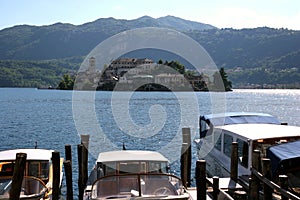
(140, 120)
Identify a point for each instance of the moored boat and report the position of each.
(37, 182)
(285, 159)
(250, 131)
(129, 174)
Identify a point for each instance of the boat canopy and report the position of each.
(130, 155)
(32, 154)
(261, 131)
(284, 157)
(208, 122)
(240, 118)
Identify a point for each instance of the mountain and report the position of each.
(251, 56)
(182, 25)
(66, 40)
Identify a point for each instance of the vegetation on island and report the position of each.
(67, 83)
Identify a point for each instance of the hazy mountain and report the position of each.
(182, 25)
(66, 40)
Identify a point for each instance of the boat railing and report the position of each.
(141, 184)
(32, 187)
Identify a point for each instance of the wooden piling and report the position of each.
(201, 179)
(84, 165)
(85, 139)
(215, 187)
(184, 164)
(234, 162)
(68, 152)
(69, 181)
(85, 142)
(80, 172)
(283, 180)
(240, 195)
(18, 175)
(254, 190)
(56, 175)
(266, 171)
(186, 139)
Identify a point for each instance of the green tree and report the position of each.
(67, 83)
(221, 80)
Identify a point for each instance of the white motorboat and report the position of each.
(250, 130)
(131, 174)
(37, 182)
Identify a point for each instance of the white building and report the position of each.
(121, 66)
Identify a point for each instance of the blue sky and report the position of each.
(220, 13)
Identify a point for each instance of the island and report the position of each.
(143, 74)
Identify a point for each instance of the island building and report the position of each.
(134, 71)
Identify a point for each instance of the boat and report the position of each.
(285, 159)
(37, 182)
(250, 130)
(133, 174)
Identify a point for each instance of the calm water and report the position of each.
(151, 121)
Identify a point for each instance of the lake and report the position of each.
(140, 120)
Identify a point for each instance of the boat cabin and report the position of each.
(127, 161)
(37, 163)
(133, 175)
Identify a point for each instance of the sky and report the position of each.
(220, 13)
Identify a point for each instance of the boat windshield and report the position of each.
(125, 167)
(31, 187)
(130, 185)
(38, 169)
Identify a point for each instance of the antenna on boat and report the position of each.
(124, 148)
(35, 145)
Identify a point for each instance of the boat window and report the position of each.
(155, 167)
(243, 152)
(44, 170)
(227, 144)
(129, 167)
(218, 139)
(6, 168)
(33, 169)
(110, 168)
(143, 167)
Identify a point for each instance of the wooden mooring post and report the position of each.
(186, 157)
(201, 179)
(68, 152)
(56, 175)
(69, 180)
(266, 171)
(82, 150)
(80, 172)
(283, 181)
(254, 190)
(68, 172)
(18, 175)
(234, 162)
(216, 189)
(85, 142)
